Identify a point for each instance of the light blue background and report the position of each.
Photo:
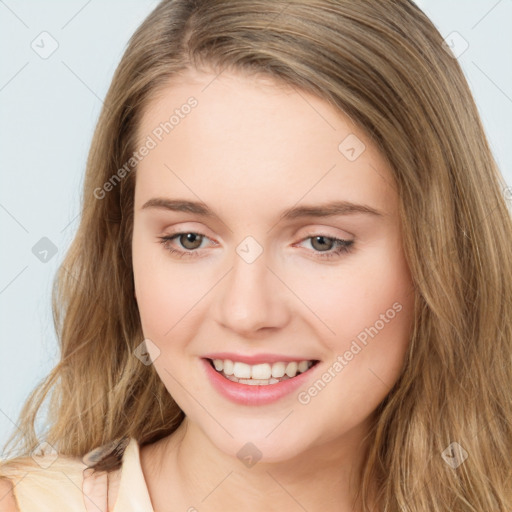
(49, 108)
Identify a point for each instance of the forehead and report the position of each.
(254, 142)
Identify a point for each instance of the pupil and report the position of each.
(190, 238)
(322, 240)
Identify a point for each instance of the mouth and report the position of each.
(262, 374)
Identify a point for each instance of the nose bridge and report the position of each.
(252, 296)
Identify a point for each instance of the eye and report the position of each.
(191, 241)
(327, 243)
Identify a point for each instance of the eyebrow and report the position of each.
(329, 209)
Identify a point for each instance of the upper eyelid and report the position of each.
(316, 231)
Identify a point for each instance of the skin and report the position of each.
(250, 149)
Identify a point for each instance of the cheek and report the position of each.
(158, 295)
(364, 299)
(168, 291)
(371, 312)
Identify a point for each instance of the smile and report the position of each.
(260, 374)
(242, 383)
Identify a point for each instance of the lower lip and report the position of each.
(246, 394)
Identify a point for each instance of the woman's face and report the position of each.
(257, 276)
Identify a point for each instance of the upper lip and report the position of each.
(256, 358)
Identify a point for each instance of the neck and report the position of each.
(185, 471)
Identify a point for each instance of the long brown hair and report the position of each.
(384, 65)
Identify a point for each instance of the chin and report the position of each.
(256, 441)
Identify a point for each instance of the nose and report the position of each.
(253, 297)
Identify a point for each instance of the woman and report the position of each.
(291, 287)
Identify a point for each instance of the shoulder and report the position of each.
(7, 499)
(57, 482)
(33, 483)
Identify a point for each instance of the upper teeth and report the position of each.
(261, 371)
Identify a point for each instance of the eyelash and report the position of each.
(344, 246)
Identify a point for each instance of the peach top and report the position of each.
(46, 483)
